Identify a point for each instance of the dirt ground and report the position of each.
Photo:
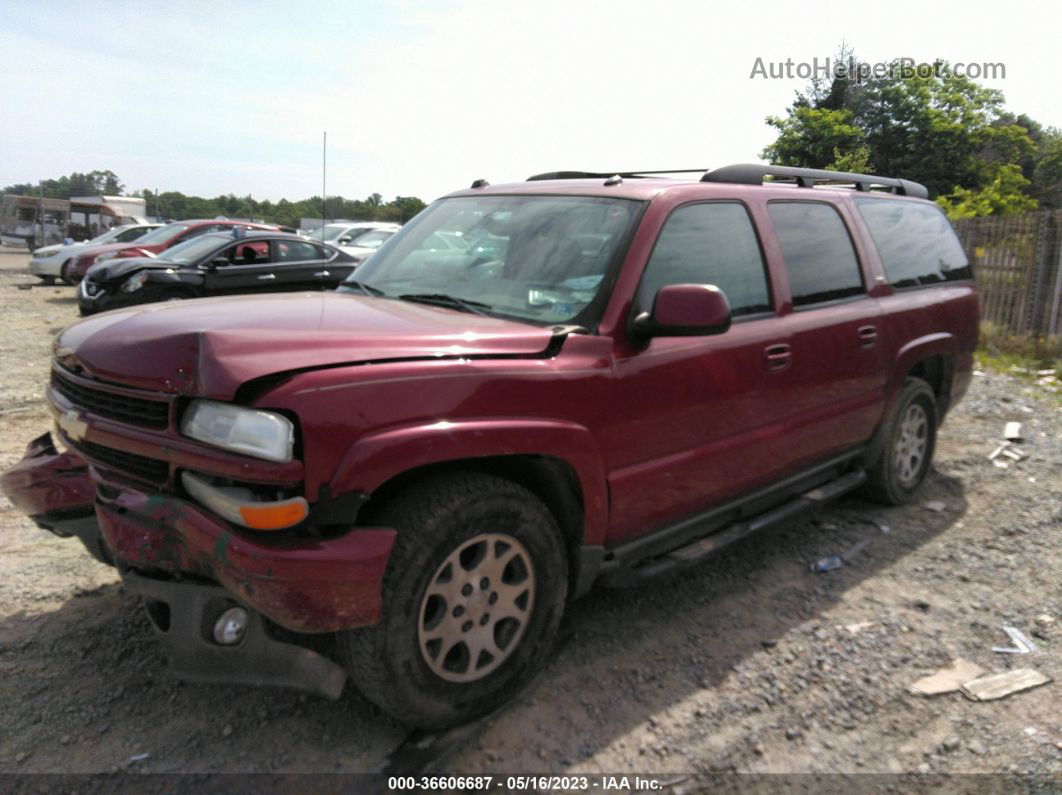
(748, 663)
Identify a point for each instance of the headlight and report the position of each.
(261, 434)
(134, 282)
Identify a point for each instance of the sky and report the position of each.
(419, 99)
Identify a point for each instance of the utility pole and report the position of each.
(40, 212)
(324, 183)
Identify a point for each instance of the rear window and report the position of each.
(817, 250)
(916, 243)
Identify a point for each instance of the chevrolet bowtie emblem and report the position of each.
(72, 425)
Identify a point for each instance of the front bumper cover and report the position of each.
(304, 585)
(54, 489)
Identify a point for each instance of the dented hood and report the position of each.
(209, 347)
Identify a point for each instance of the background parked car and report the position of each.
(215, 264)
(346, 232)
(152, 243)
(47, 262)
(362, 244)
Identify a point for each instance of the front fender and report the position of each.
(375, 459)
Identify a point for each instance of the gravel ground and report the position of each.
(747, 663)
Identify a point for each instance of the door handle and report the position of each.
(868, 335)
(267, 276)
(778, 356)
(322, 274)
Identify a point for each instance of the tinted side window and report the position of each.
(817, 250)
(130, 234)
(916, 243)
(709, 244)
(296, 251)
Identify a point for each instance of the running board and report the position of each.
(701, 548)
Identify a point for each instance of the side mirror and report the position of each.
(685, 310)
(219, 262)
(344, 240)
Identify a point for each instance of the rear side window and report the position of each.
(296, 251)
(710, 243)
(817, 250)
(916, 243)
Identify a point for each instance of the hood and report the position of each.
(109, 270)
(120, 249)
(50, 251)
(209, 347)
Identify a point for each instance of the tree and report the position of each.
(930, 126)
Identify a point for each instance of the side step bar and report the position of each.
(701, 548)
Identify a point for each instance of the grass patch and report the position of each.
(1013, 353)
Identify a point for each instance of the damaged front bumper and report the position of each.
(55, 490)
(303, 584)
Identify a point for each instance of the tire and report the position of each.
(417, 662)
(68, 273)
(909, 444)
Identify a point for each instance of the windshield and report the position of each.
(333, 232)
(108, 236)
(536, 258)
(162, 234)
(190, 251)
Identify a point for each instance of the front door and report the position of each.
(698, 419)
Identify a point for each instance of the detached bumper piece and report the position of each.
(54, 489)
(184, 615)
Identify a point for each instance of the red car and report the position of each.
(154, 242)
(528, 389)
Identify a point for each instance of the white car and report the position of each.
(359, 239)
(47, 262)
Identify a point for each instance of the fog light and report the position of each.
(230, 626)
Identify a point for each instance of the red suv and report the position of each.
(528, 389)
(154, 242)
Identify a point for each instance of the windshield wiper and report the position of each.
(368, 289)
(475, 307)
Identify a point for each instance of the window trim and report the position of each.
(860, 265)
(763, 315)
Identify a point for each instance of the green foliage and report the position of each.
(856, 161)
(176, 206)
(945, 131)
(1002, 196)
(810, 137)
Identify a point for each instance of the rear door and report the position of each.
(834, 333)
(301, 265)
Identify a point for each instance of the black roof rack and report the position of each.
(606, 174)
(754, 173)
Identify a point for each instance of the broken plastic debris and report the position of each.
(1012, 432)
(855, 629)
(137, 758)
(947, 680)
(989, 688)
(827, 564)
(1022, 645)
(934, 505)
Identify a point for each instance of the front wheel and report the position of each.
(908, 449)
(472, 600)
(68, 273)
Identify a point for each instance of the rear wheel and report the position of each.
(473, 596)
(68, 273)
(908, 450)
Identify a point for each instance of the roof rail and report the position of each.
(606, 174)
(754, 173)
